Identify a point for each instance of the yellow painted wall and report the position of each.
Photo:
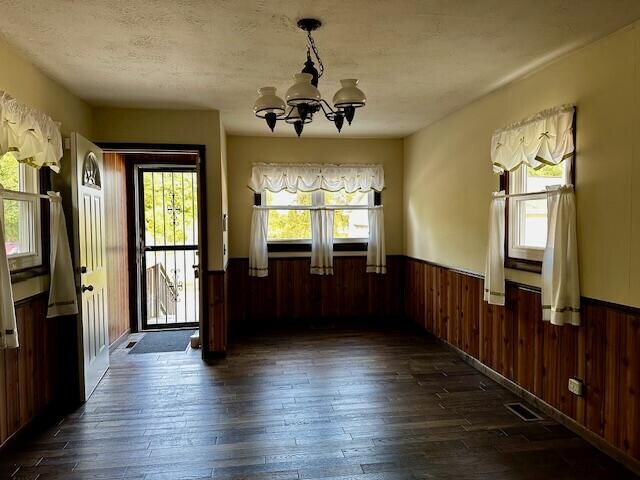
(448, 177)
(195, 127)
(224, 180)
(25, 82)
(243, 151)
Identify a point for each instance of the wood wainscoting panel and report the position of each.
(41, 373)
(117, 245)
(290, 292)
(513, 340)
(217, 315)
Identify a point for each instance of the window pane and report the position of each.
(285, 198)
(10, 172)
(19, 220)
(533, 223)
(539, 180)
(351, 224)
(289, 225)
(343, 198)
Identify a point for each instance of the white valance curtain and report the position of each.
(560, 276)
(62, 290)
(276, 177)
(376, 252)
(546, 138)
(322, 242)
(258, 253)
(494, 288)
(29, 135)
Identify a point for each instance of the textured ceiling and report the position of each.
(417, 60)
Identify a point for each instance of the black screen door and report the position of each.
(167, 253)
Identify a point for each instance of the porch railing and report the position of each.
(162, 295)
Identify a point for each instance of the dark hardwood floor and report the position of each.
(347, 403)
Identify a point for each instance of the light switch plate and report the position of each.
(576, 386)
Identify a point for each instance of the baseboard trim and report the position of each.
(594, 439)
(119, 340)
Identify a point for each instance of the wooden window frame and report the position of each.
(305, 247)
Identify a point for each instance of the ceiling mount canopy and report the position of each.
(303, 99)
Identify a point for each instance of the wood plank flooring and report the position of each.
(332, 403)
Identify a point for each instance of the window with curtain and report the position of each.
(318, 209)
(532, 155)
(291, 226)
(20, 213)
(527, 217)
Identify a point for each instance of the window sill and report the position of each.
(524, 265)
(306, 247)
(28, 273)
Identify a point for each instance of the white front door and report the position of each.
(90, 254)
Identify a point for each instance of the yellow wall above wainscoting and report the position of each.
(195, 127)
(31, 86)
(448, 178)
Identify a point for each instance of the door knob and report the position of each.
(87, 288)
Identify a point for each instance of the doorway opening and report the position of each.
(166, 221)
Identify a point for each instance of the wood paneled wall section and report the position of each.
(39, 375)
(512, 340)
(117, 245)
(218, 311)
(290, 292)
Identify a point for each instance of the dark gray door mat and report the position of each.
(169, 341)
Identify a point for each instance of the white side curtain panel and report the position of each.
(494, 286)
(8, 328)
(560, 276)
(376, 252)
(322, 242)
(29, 135)
(258, 253)
(546, 138)
(62, 290)
(276, 177)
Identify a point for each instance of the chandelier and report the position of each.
(303, 99)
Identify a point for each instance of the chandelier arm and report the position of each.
(331, 114)
(287, 116)
(314, 49)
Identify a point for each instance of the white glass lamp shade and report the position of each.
(349, 95)
(294, 116)
(268, 102)
(302, 91)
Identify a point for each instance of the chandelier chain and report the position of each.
(312, 46)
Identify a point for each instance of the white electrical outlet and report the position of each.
(576, 386)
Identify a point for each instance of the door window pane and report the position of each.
(172, 288)
(170, 208)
